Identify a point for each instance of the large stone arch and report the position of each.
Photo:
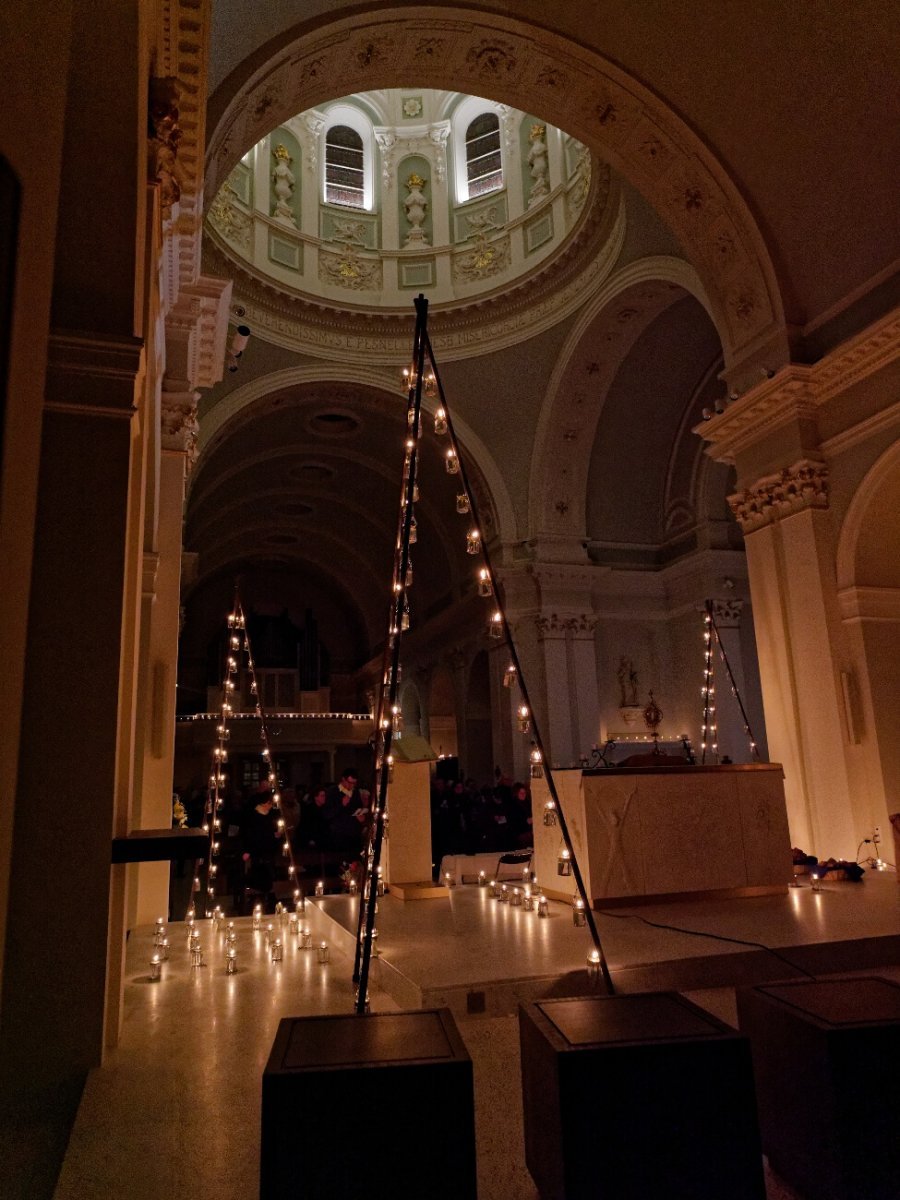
(230, 409)
(538, 71)
(607, 328)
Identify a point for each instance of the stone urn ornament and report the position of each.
(416, 207)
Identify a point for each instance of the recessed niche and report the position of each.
(292, 508)
(334, 423)
(310, 472)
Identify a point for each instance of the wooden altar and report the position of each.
(674, 832)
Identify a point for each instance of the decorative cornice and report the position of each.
(514, 311)
(533, 69)
(797, 392)
(869, 604)
(803, 485)
(93, 375)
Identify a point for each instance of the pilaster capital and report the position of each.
(561, 625)
(802, 485)
(727, 613)
(179, 423)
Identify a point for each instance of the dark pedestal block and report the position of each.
(373, 1107)
(630, 1097)
(825, 1055)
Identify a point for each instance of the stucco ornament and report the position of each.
(537, 161)
(163, 138)
(416, 208)
(283, 186)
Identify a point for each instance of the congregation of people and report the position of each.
(332, 823)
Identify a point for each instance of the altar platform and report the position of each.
(475, 954)
(180, 1096)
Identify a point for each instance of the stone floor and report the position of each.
(176, 1109)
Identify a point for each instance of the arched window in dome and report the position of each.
(345, 168)
(484, 167)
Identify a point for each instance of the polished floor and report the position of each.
(176, 1110)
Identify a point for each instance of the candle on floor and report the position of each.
(579, 917)
(482, 879)
(164, 950)
(257, 917)
(155, 967)
(323, 953)
(320, 888)
(231, 961)
(528, 900)
(277, 951)
(305, 942)
(543, 906)
(516, 899)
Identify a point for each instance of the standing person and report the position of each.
(261, 844)
(346, 812)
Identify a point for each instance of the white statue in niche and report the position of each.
(283, 187)
(540, 168)
(416, 207)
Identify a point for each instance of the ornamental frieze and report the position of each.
(798, 487)
(570, 86)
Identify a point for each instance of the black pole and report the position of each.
(384, 734)
(754, 749)
(535, 730)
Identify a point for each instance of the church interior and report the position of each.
(661, 258)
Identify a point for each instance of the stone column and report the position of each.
(76, 732)
(161, 600)
(790, 558)
(569, 663)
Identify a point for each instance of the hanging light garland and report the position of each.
(238, 646)
(709, 728)
(498, 629)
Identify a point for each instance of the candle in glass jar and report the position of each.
(277, 951)
(543, 906)
(482, 879)
(305, 942)
(323, 953)
(231, 961)
(155, 967)
(320, 888)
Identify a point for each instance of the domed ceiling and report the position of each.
(350, 210)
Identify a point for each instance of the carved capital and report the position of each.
(727, 613)
(179, 423)
(163, 138)
(803, 485)
(565, 625)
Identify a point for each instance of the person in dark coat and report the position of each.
(346, 813)
(261, 843)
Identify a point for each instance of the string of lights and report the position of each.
(735, 690)
(238, 646)
(709, 738)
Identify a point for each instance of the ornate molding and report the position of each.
(727, 613)
(180, 423)
(163, 138)
(803, 485)
(797, 392)
(91, 375)
(557, 625)
(558, 288)
(570, 86)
